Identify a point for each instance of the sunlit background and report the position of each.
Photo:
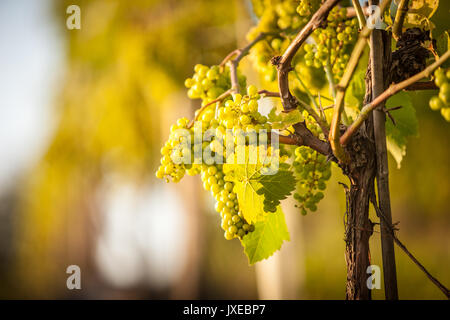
(83, 114)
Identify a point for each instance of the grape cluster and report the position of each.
(313, 170)
(233, 222)
(238, 112)
(175, 150)
(442, 100)
(333, 42)
(208, 83)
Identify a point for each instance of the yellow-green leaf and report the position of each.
(405, 127)
(267, 237)
(419, 13)
(251, 203)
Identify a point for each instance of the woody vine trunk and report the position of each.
(358, 227)
(361, 173)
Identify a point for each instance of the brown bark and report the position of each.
(358, 227)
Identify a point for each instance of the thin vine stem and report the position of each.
(400, 16)
(359, 13)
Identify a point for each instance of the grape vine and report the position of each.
(251, 160)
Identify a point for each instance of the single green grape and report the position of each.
(436, 103)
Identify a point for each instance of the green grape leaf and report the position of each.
(419, 12)
(251, 203)
(442, 46)
(416, 8)
(246, 182)
(275, 188)
(397, 151)
(425, 8)
(284, 120)
(417, 20)
(267, 237)
(406, 125)
(292, 117)
(273, 116)
(258, 193)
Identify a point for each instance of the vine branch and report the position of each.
(233, 75)
(400, 16)
(267, 93)
(351, 12)
(359, 13)
(293, 139)
(240, 53)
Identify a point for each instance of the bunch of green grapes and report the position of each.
(173, 163)
(233, 222)
(442, 100)
(235, 113)
(333, 44)
(313, 171)
(208, 83)
(212, 176)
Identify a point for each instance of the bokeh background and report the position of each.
(83, 114)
